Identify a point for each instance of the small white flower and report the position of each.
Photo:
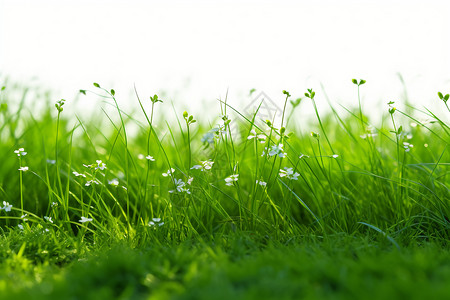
(425, 145)
(260, 137)
(7, 207)
(190, 179)
(84, 220)
(275, 150)
(20, 152)
(23, 217)
(23, 169)
(205, 165)
(100, 165)
(48, 219)
(261, 183)
(90, 182)
(54, 204)
(20, 226)
(78, 174)
(150, 158)
(87, 166)
(180, 186)
(208, 137)
(407, 146)
(334, 156)
(231, 179)
(114, 182)
(169, 172)
(141, 156)
(155, 221)
(303, 155)
(289, 173)
(51, 161)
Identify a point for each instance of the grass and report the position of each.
(135, 206)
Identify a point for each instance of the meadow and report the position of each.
(130, 205)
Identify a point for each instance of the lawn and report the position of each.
(150, 203)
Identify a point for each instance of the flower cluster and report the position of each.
(155, 222)
(205, 165)
(407, 146)
(289, 173)
(275, 150)
(20, 152)
(231, 179)
(6, 206)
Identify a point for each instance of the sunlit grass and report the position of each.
(69, 185)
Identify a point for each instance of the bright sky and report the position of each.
(197, 50)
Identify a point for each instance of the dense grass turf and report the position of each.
(131, 205)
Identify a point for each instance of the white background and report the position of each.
(195, 51)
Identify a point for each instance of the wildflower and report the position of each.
(23, 169)
(230, 179)
(334, 156)
(289, 173)
(90, 182)
(20, 152)
(303, 155)
(20, 226)
(150, 158)
(84, 220)
(180, 186)
(190, 179)
(23, 217)
(425, 145)
(113, 182)
(366, 135)
(407, 146)
(54, 204)
(275, 150)
(155, 221)
(48, 219)
(141, 156)
(78, 174)
(208, 137)
(7, 207)
(100, 165)
(261, 183)
(51, 161)
(169, 172)
(87, 166)
(205, 165)
(260, 137)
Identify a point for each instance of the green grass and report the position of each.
(345, 205)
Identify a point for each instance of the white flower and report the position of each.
(23, 217)
(54, 204)
(155, 221)
(150, 158)
(87, 166)
(275, 150)
(51, 161)
(260, 137)
(20, 152)
(261, 183)
(141, 156)
(289, 173)
(169, 172)
(190, 179)
(78, 174)
(23, 169)
(180, 186)
(205, 165)
(48, 219)
(208, 137)
(114, 182)
(230, 179)
(100, 165)
(84, 220)
(334, 156)
(20, 226)
(90, 182)
(425, 145)
(407, 146)
(7, 207)
(303, 155)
